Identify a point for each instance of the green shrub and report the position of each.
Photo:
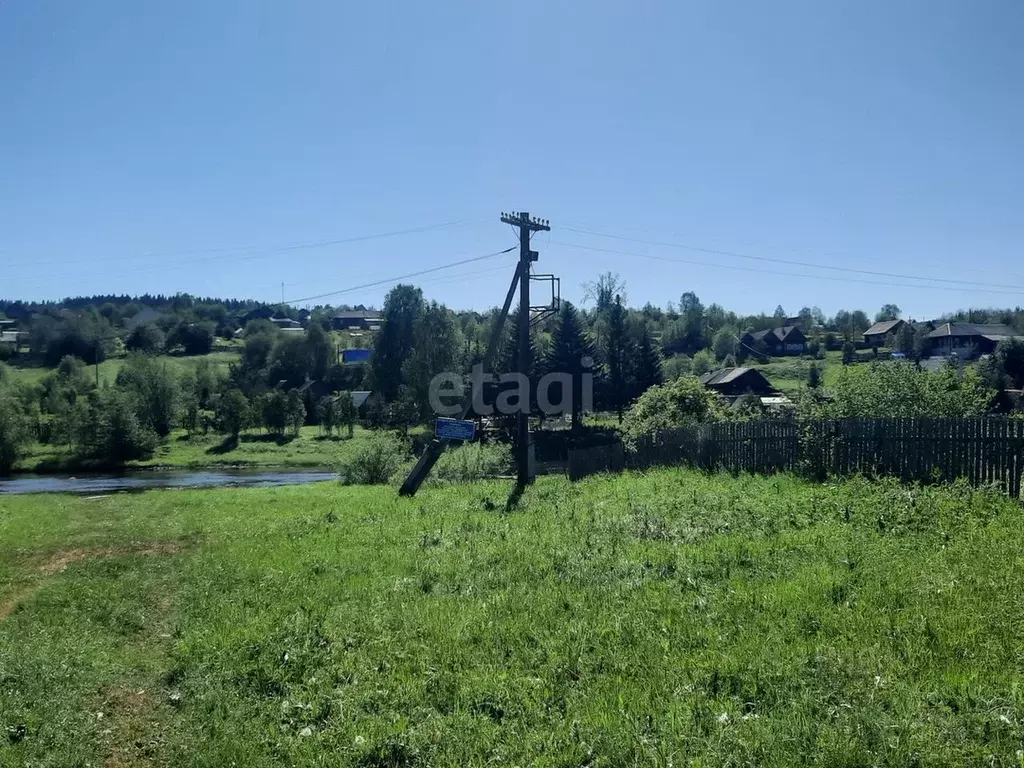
(153, 392)
(901, 390)
(232, 413)
(473, 462)
(375, 460)
(274, 411)
(145, 338)
(675, 366)
(14, 431)
(680, 403)
(111, 431)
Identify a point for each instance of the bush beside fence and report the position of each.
(982, 451)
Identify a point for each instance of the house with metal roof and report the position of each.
(356, 319)
(787, 340)
(733, 382)
(876, 335)
(966, 341)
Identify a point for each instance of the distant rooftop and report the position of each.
(882, 328)
(991, 331)
(363, 314)
(723, 375)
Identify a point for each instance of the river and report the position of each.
(143, 480)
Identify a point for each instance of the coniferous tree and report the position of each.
(571, 350)
(648, 363)
(616, 355)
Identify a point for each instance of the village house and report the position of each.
(17, 311)
(733, 382)
(876, 335)
(787, 340)
(259, 313)
(356, 319)
(966, 341)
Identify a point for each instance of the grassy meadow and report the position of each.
(220, 358)
(664, 619)
(789, 374)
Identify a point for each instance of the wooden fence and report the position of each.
(590, 461)
(982, 451)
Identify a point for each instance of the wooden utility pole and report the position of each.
(522, 275)
(436, 446)
(526, 226)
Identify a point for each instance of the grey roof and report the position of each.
(362, 314)
(778, 333)
(991, 331)
(882, 328)
(723, 376)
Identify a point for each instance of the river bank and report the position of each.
(152, 479)
(310, 448)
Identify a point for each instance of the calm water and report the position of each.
(144, 480)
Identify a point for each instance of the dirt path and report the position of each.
(56, 562)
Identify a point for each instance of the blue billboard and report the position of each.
(355, 355)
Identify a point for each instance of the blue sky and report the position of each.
(169, 147)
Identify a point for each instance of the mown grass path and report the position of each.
(663, 619)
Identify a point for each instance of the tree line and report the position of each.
(284, 380)
(691, 335)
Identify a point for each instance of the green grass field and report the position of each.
(220, 359)
(667, 619)
(789, 374)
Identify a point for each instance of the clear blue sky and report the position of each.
(176, 146)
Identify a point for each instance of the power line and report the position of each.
(400, 277)
(843, 257)
(790, 262)
(457, 276)
(462, 275)
(774, 271)
(263, 250)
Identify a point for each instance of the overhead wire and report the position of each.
(376, 283)
(459, 275)
(738, 267)
(264, 250)
(790, 262)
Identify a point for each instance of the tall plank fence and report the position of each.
(982, 451)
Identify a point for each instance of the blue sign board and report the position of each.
(355, 355)
(454, 429)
